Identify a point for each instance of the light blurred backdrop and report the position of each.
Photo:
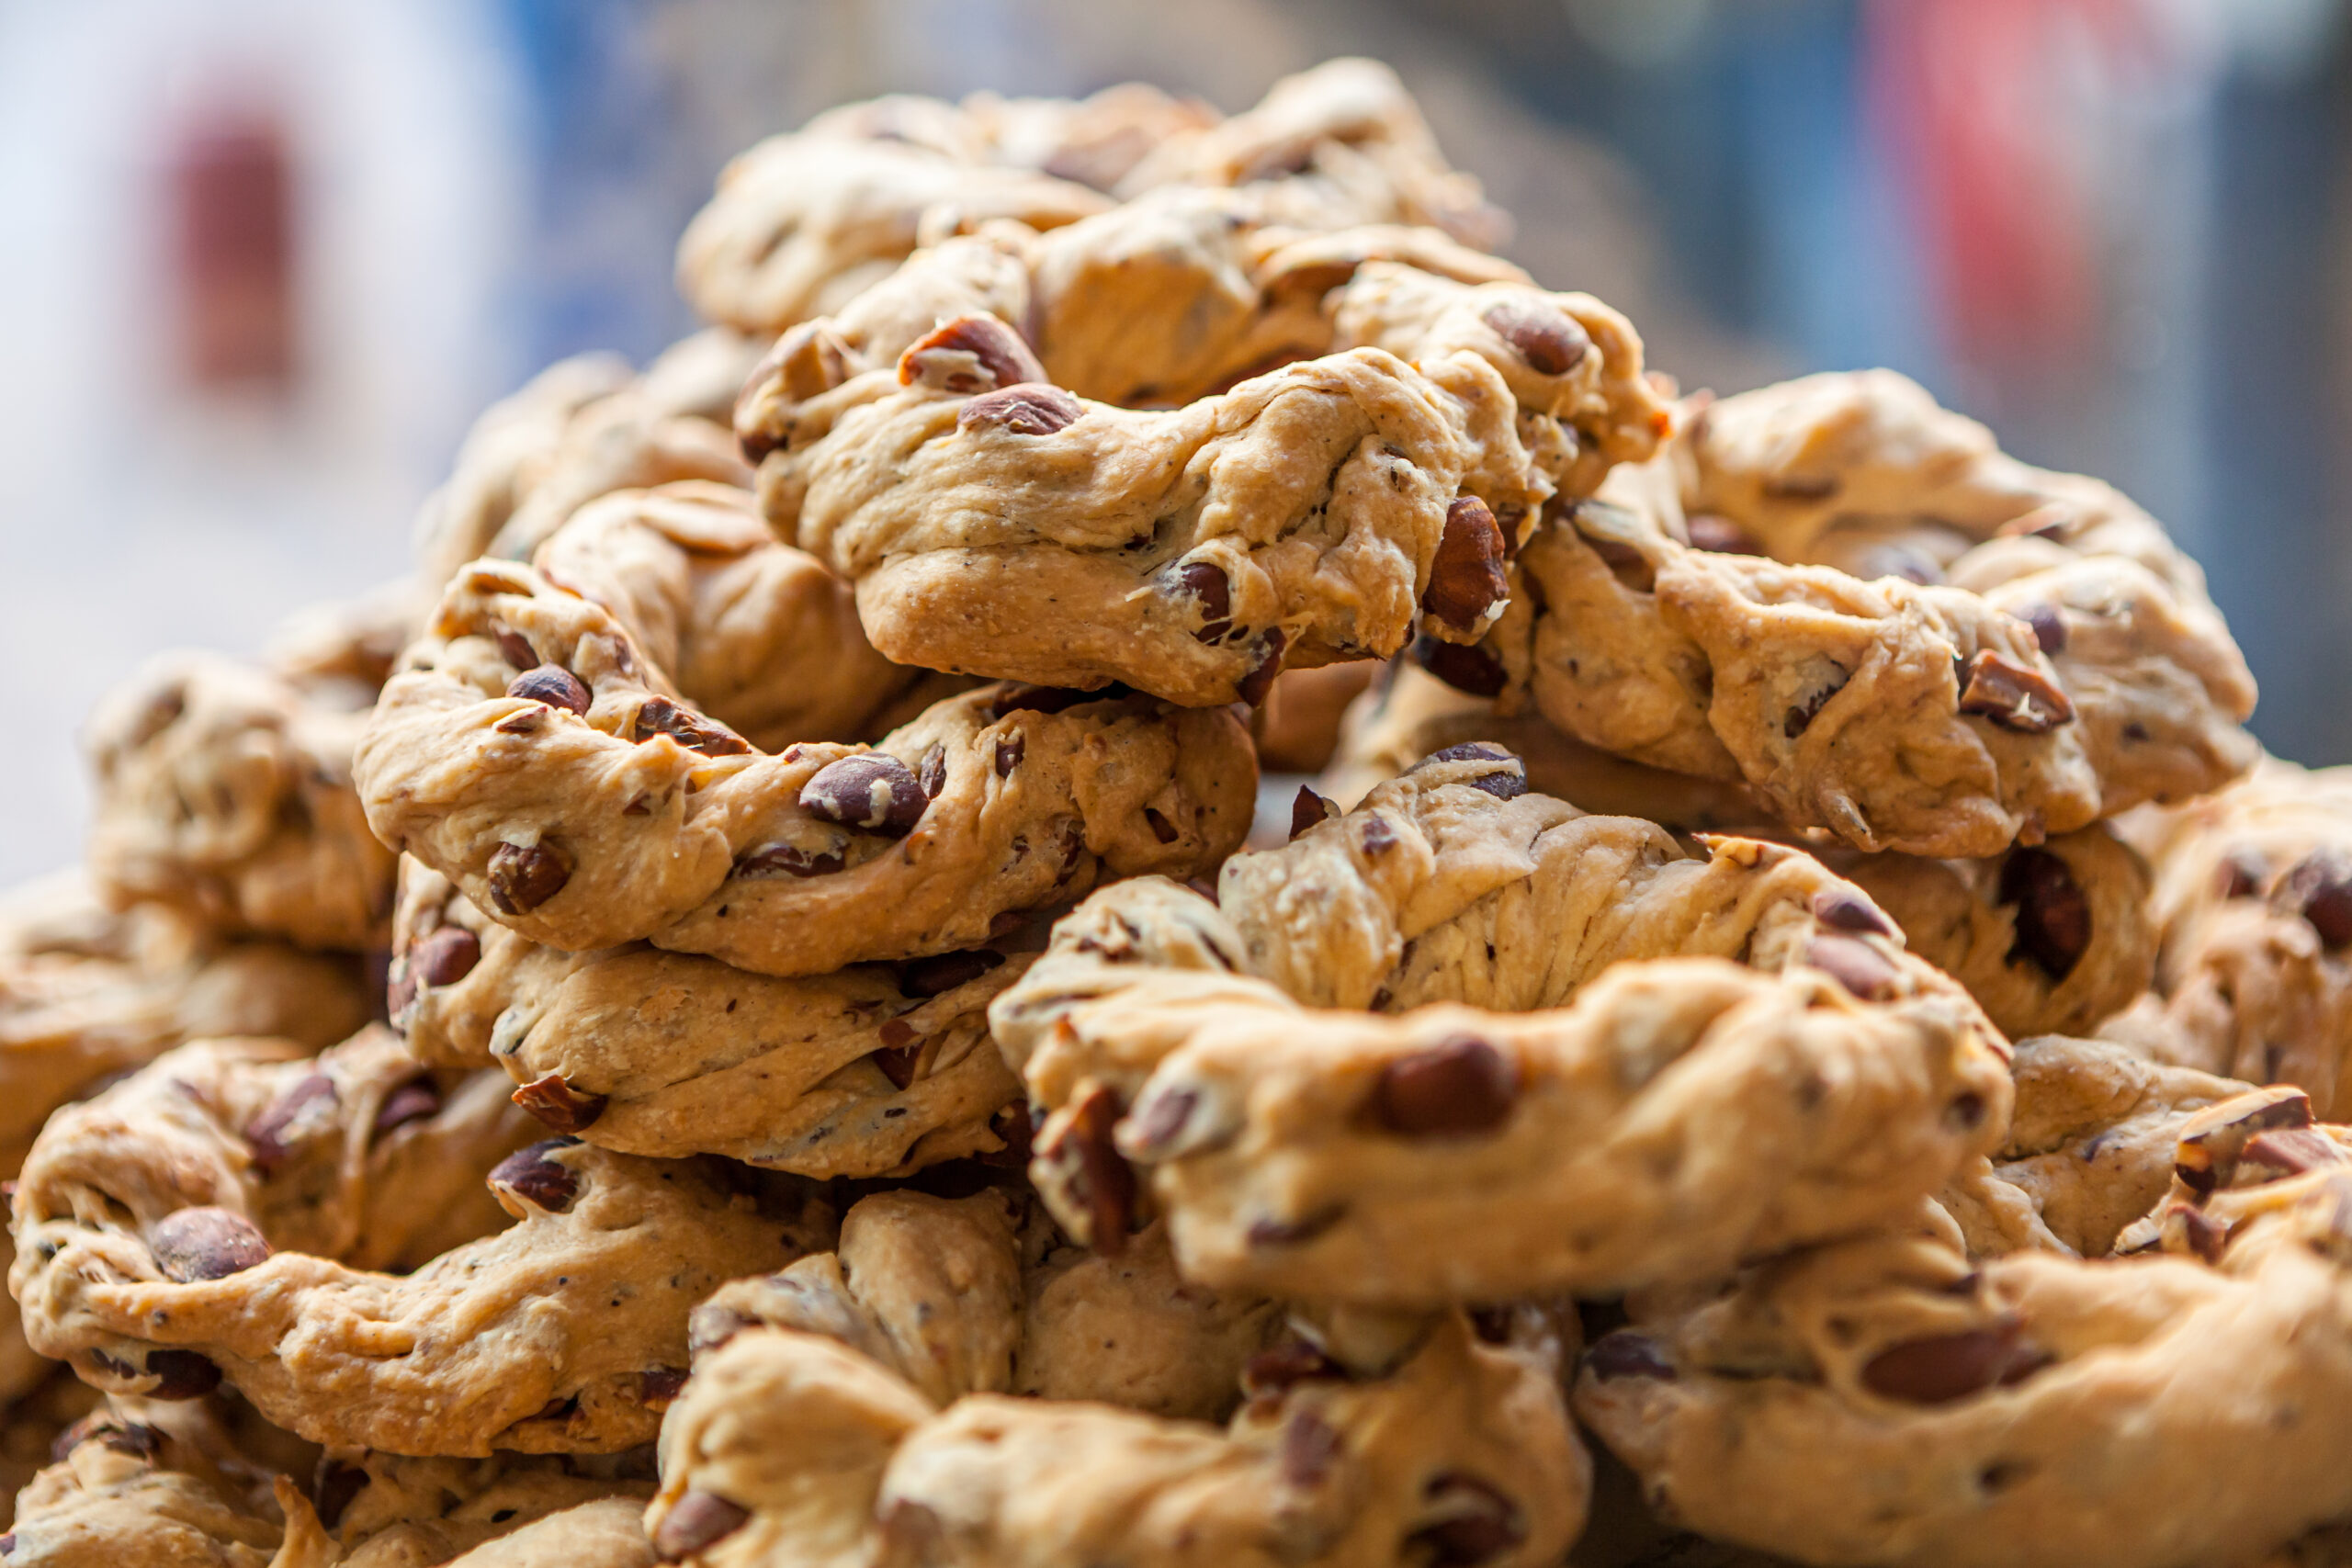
(265, 259)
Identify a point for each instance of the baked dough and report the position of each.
(2038, 656)
(595, 807)
(1461, 1002)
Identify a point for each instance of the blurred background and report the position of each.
(266, 259)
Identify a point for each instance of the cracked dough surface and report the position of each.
(2038, 655)
(874, 1402)
(2253, 899)
(579, 836)
(1889, 1401)
(1460, 1002)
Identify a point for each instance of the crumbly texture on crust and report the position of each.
(1890, 1400)
(224, 790)
(802, 223)
(2089, 1149)
(875, 1403)
(753, 633)
(2036, 654)
(1459, 1001)
(129, 1491)
(587, 829)
(552, 1335)
(982, 1295)
(1340, 437)
(2051, 939)
(87, 991)
(579, 429)
(874, 1070)
(1409, 714)
(2254, 898)
(376, 1510)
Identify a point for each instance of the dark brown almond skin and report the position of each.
(1458, 1087)
(1466, 577)
(553, 1101)
(411, 1102)
(1850, 912)
(1463, 666)
(2205, 1152)
(1031, 409)
(445, 957)
(697, 1520)
(874, 792)
(206, 1243)
(1309, 810)
(523, 876)
(791, 860)
(1084, 1146)
(2048, 626)
(1709, 532)
(2319, 888)
(1624, 1354)
(184, 1374)
(2054, 914)
(1252, 688)
(1206, 583)
(659, 716)
(658, 1387)
(265, 1133)
(1946, 1367)
(970, 354)
(551, 684)
(2013, 696)
(515, 648)
(532, 1174)
(1509, 779)
(1854, 965)
(1550, 341)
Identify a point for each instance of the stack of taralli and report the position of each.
(1795, 1025)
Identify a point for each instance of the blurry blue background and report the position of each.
(265, 259)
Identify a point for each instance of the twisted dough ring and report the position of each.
(1792, 1074)
(167, 1486)
(802, 223)
(2050, 939)
(871, 1071)
(2253, 897)
(866, 1405)
(224, 789)
(1889, 1401)
(755, 634)
(2033, 653)
(939, 442)
(86, 993)
(581, 428)
(218, 1218)
(530, 751)
(2089, 1150)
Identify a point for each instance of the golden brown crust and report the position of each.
(573, 833)
(2061, 662)
(863, 1403)
(1308, 513)
(224, 790)
(2254, 898)
(871, 1071)
(1983, 1397)
(1302, 1144)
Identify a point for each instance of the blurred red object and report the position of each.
(1993, 110)
(230, 192)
